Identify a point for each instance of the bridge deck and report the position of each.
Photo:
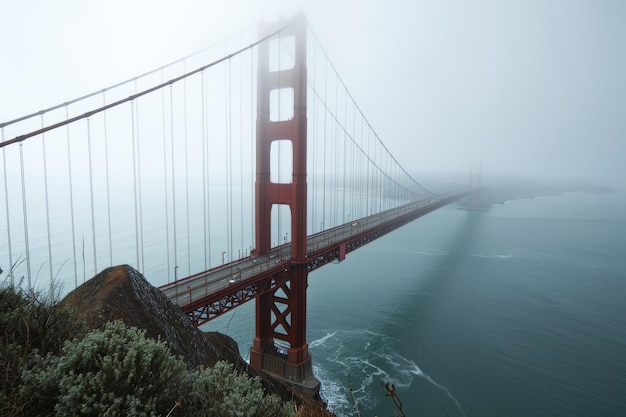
(211, 293)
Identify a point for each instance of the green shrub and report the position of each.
(116, 371)
(32, 323)
(221, 391)
(51, 366)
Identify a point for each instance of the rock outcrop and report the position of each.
(122, 293)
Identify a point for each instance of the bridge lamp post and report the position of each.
(223, 253)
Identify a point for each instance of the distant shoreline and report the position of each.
(517, 189)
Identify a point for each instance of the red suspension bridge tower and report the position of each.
(281, 311)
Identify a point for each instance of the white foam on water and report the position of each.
(333, 391)
(432, 253)
(322, 340)
(495, 256)
(366, 359)
(444, 389)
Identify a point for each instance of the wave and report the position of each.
(366, 360)
(322, 340)
(432, 253)
(332, 390)
(495, 256)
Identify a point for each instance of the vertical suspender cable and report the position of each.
(106, 167)
(324, 150)
(45, 186)
(353, 170)
(241, 149)
(69, 170)
(208, 189)
(367, 187)
(25, 215)
(230, 159)
(313, 148)
(166, 222)
(392, 180)
(388, 183)
(376, 173)
(375, 176)
(379, 174)
(93, 219)
(139, 194)
(335, 176)
(227, 148)
(252, 141)
(6, 203)
(359, 171)
(279, 208)
(333, 162)
(393, 193)
(186, 168)
(383, 179)
(204, 167)
(173, 184)
(336, 157)
(345, 153)
(373, 154)
(134, 143)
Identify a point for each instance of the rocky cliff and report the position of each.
(121, 292)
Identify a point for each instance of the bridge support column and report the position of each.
(281, 315)
(281, 305)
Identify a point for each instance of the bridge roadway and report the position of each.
(208, 294)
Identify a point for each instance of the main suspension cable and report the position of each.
(86, 96)
(90, 113)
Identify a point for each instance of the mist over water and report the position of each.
(517, 311)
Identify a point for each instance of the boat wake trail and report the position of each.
(444, 389)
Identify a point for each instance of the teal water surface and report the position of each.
(518, 311)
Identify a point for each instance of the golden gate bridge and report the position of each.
(222, 177)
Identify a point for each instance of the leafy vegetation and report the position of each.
(32, 325)
(53, 366)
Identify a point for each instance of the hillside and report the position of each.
(121, 292)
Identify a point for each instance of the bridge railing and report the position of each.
(320, 241)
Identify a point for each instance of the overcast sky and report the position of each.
(525, 86)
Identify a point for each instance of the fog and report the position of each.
(535, 88)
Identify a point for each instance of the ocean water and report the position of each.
(518, 311)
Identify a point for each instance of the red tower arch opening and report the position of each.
(281, 116)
